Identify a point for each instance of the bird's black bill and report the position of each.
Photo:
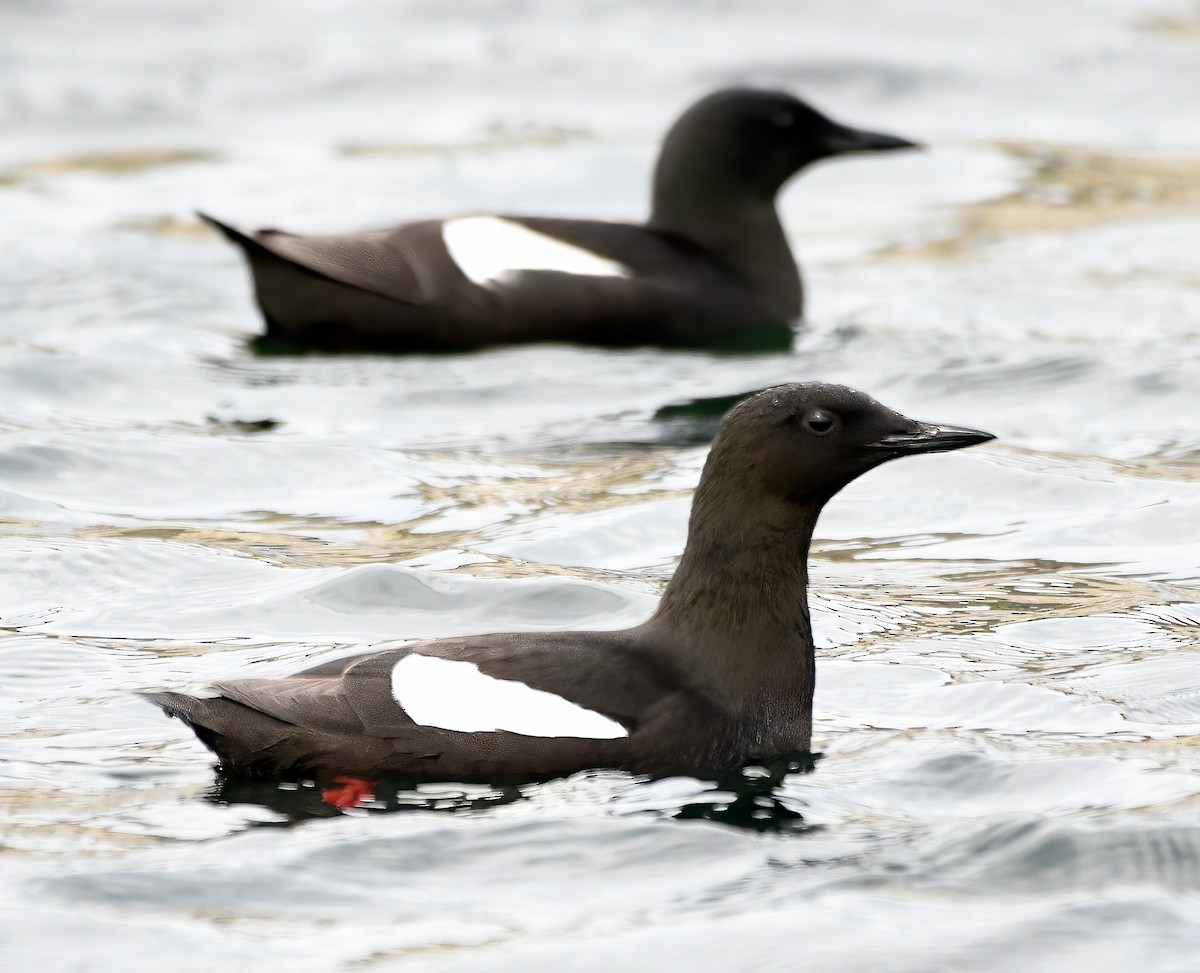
(928, 438)
(842, 140)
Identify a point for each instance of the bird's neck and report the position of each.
(744, 234)
(735, 614)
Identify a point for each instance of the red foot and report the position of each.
(350, 792)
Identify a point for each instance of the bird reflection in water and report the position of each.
(747, 799)
(301, 799)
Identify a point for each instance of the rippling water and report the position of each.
(1008, 700)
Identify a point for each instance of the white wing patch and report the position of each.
(487, 247)
(455, 695)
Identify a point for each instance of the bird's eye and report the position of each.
(819, 422)
(783, 119)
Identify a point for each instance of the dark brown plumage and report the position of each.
(710, 267)
(720, 676)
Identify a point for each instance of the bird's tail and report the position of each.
(197, 713)
(234, 235)
(210, 718)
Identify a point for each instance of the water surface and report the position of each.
(1008, 694)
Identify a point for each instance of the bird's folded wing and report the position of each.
(320, 703)
(384, 262)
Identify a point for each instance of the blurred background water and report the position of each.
(1009, 678)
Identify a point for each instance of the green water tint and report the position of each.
(759, 341)
(694, 422)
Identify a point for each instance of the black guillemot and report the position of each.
(721, 676)
(711, 267)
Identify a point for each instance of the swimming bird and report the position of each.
(721, 676)
(710, 267)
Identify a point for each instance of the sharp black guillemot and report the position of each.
(710, 267)
(721, 676)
